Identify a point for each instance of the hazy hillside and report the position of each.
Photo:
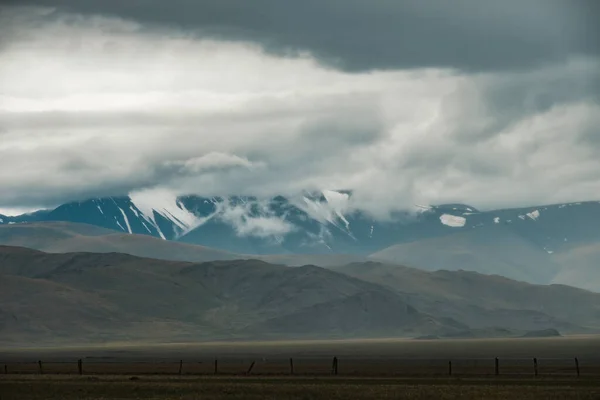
(366, 314)
(62, 237)
(581, 267)
(42, 309)
(111, 296)
(484, 300)
(178, 300)
(488, 250)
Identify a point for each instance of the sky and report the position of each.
(493, 104)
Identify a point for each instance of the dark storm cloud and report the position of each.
(470, 35)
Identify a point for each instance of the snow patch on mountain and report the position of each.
(330, 211)
(421, 207)
(321, 238)
(125, 219)
(453, 220)
(134, 211)
(164, 203)
(118, 223)
(534, 215)
(338, 203)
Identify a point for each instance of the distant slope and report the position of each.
(321, 260)
(95, 297)
(581, 267)
(483, 300)
(497, 251)
(123, 297)
(62, 237)
(34, 308)
(365, 314)
(488, 250)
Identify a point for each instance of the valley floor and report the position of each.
(32, 387)
(367, 369)
(585, 347)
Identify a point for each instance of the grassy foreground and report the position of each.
(30, 387)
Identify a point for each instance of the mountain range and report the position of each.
(79, 298)
(541, 244)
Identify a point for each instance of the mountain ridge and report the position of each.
(111, 296)
(323, 221)
(529, 244)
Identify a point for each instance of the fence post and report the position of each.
(216, 367)
(180, 366)
(291, 366)
(450, 368)
(497, 366)
(40, 367)
(80, 366)
(250, 369)
(577, 366)
(5, 369)
(334, 366)
(535, 367)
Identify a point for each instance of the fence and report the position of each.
(506, 367)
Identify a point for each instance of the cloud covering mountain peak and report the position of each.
(114, 104)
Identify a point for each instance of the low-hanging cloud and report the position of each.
(245, 222)
(209, 162)
(110, 106)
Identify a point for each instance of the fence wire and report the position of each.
(346, 366)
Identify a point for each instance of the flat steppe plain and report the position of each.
(382, 368)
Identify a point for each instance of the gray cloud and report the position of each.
(358, 35)
(109, 106)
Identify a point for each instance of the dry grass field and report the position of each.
(34, 387)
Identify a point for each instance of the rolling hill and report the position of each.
(99, 297)
(483, 300)
(488, 250)
(63, 237)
